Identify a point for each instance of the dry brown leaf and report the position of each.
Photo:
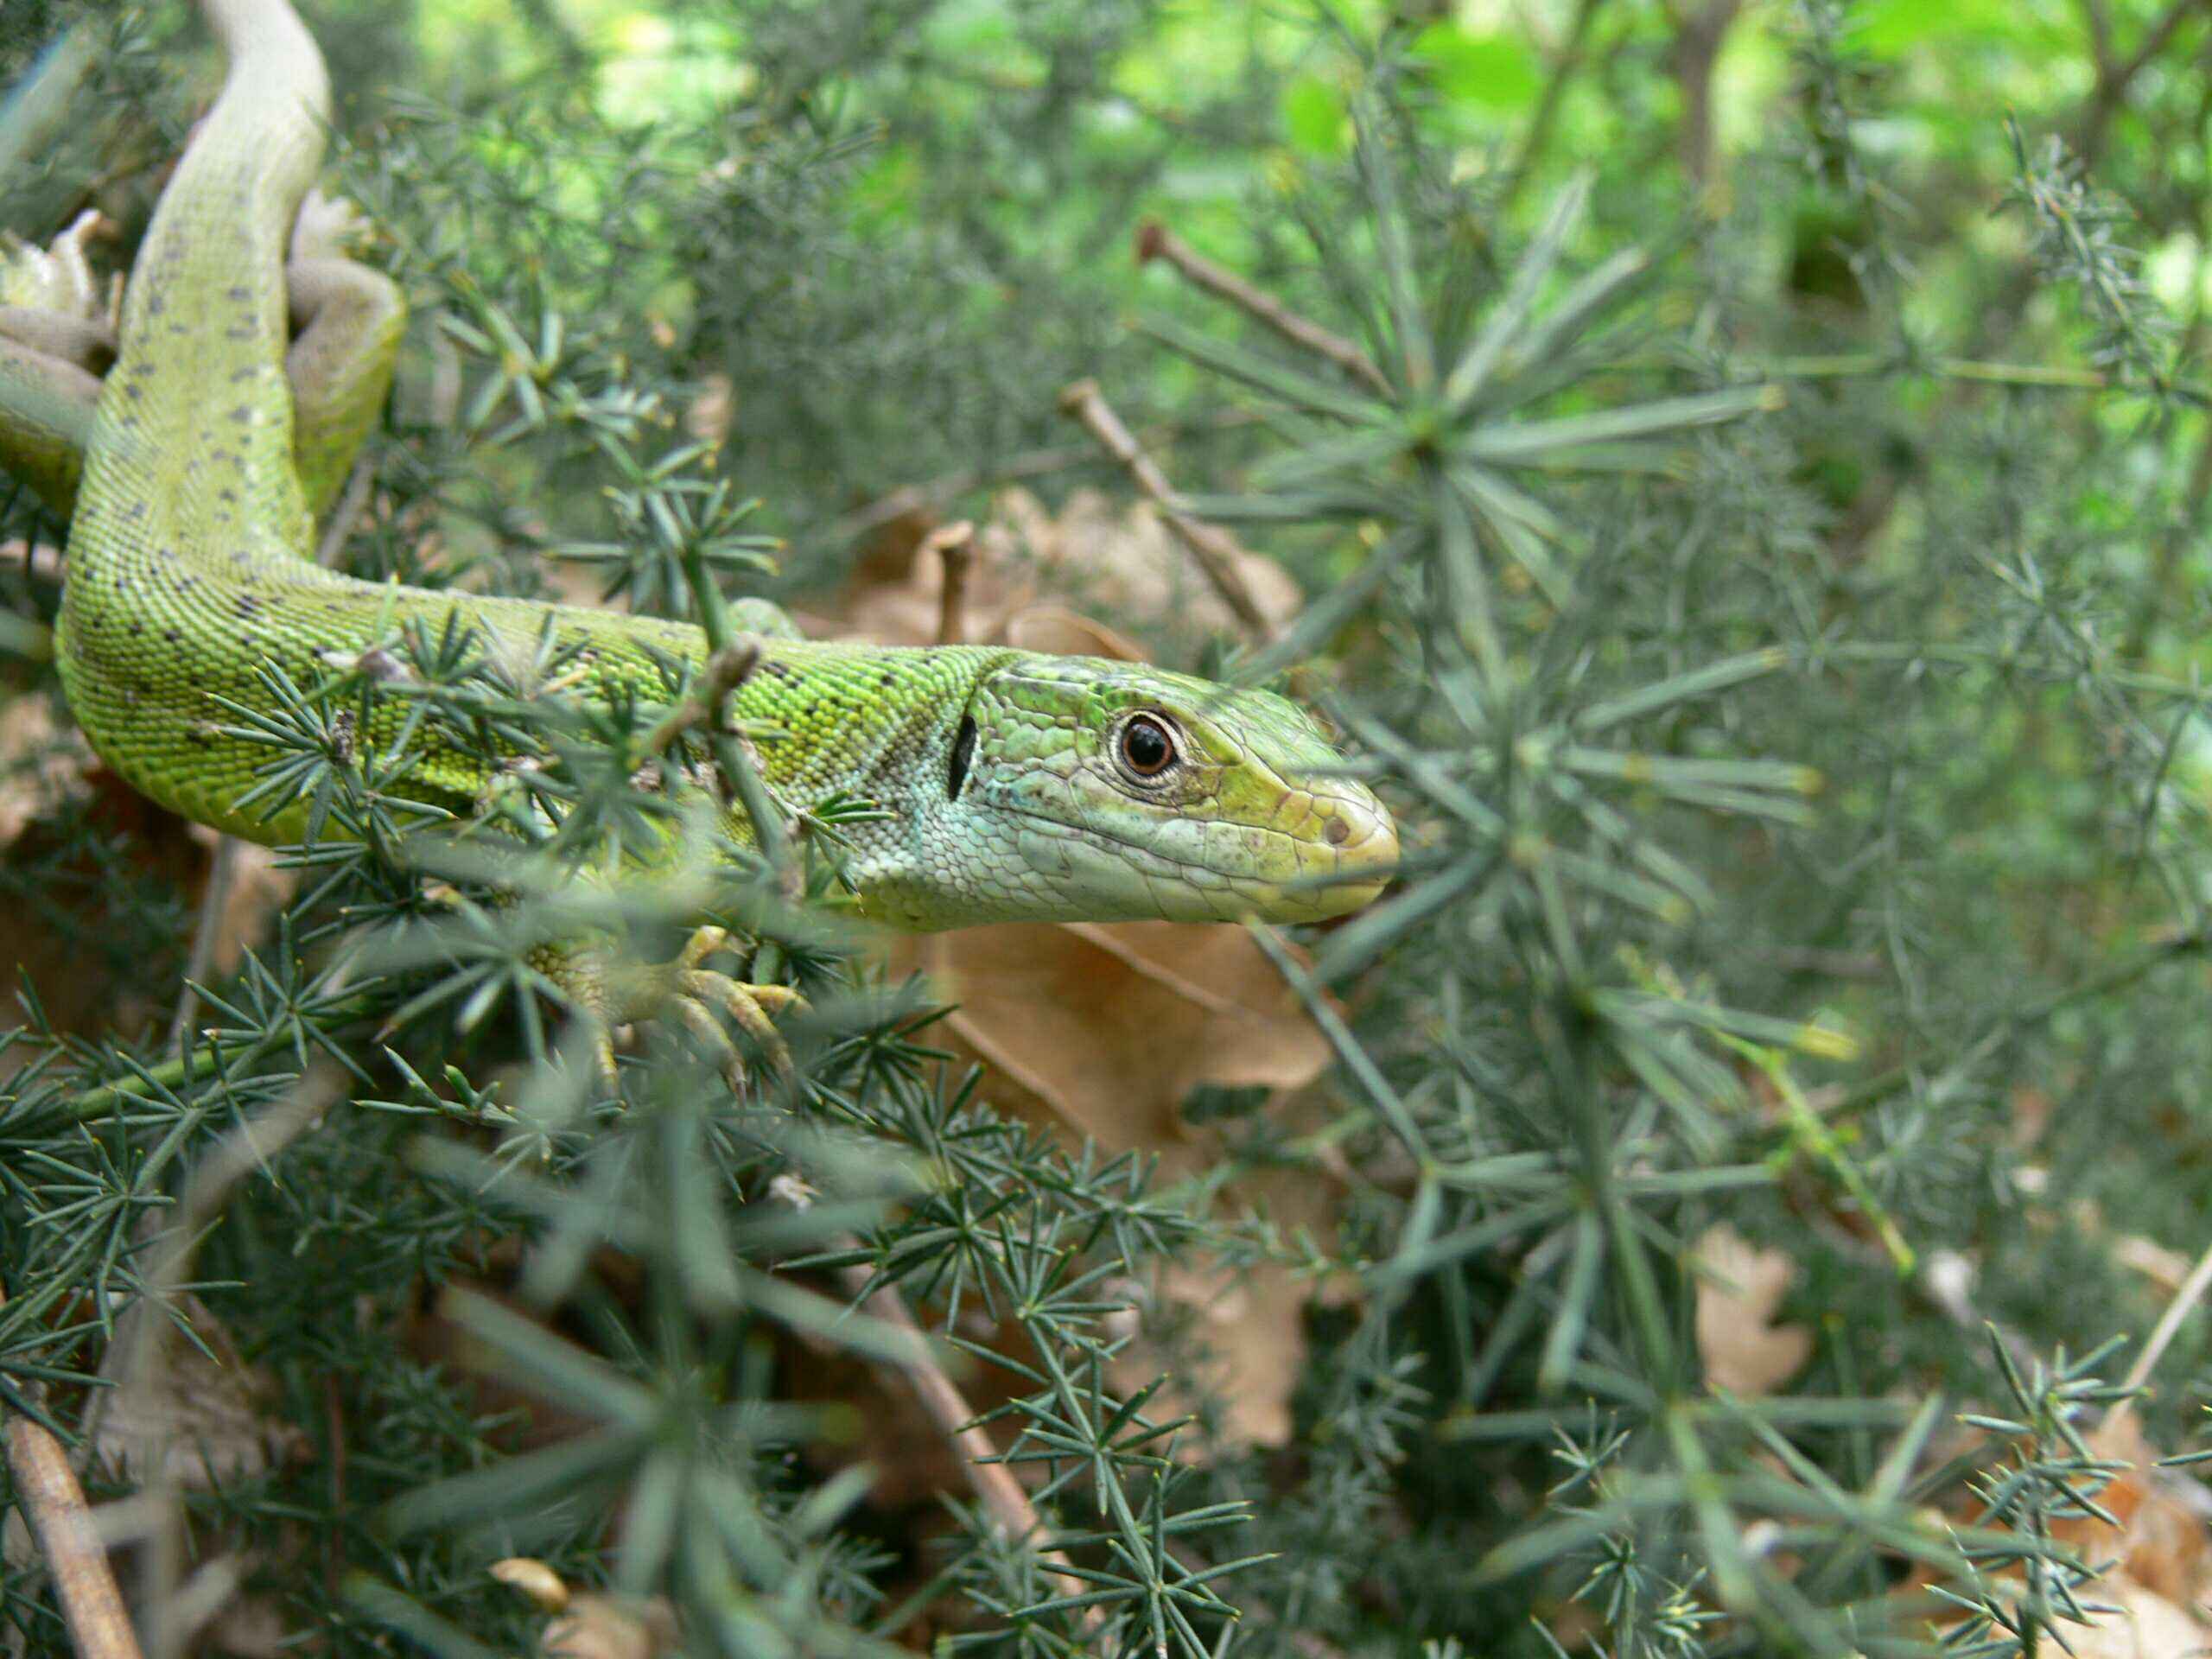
(708, 417)
(44, 761)
(2146, 1625)
(258, 889)
(607, 1627)
(2031, 1111)
(1252, 1333)
(2167, 1269)
(534, 1578)
(1120, 560)
(1739, 1287)
(206, 1416)
(2161, 1542)
(1105, 1029)
(1124, 559)
(591, 1625)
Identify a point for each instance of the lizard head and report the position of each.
(1079, 789)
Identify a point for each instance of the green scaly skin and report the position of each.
(217, 435)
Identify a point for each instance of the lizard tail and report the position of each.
(199, 379)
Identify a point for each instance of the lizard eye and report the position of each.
(1145, 748)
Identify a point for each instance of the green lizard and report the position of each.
(195, 444)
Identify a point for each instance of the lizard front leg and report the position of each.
(613, 993)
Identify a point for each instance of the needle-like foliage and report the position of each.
(1748, 507)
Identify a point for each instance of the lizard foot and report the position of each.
(689, 991)
(328, 227)
(58, 277)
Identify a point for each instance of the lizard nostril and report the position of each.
(1337, 832)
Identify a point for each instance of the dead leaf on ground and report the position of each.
(1105, 1029)
(1123, 560)
(2167, 1269)
(1739, 1287)
(2144, 1624)
(2161, 1543)
(2160, 1550)
(197, 1410)
(47, 773)
(610, 1627)
(1096, 553)
(43, 763)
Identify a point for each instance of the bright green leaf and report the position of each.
(1497, 72)
(1314, 111)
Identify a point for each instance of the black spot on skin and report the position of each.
(131, 391)
(241, 292)
(242, 414)
(248, 605)
(155, 304)
(136, 510)
(226, 495)
(172, 636)
(888, 680)
(137, 628)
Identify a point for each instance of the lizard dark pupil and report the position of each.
(1146, 748)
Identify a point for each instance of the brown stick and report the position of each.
(994, 1484)
(724, 672)
(1696, 51)
(2116, 75)
(1216, 552)
(135, 1353)
(1538, 134)
(1156, 241)
(53, 1504)
(199, 967)
(343, 516)
(955, 544)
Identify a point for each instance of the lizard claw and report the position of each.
(327, 227)
(58, 277)
(693, 994)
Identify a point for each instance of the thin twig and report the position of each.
(136, 1348)
(1029, 463)
(52, 1500)
(2108, 93)
(199, 967)
(725, 670)
(40, 561)
(341, 523)
(1156, 241)
(1216, 552)
(1538, 135)
(995, 1485)
(955, 545)
(1696, 51)
(2162, 1335)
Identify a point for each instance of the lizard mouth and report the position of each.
(1359, 839)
